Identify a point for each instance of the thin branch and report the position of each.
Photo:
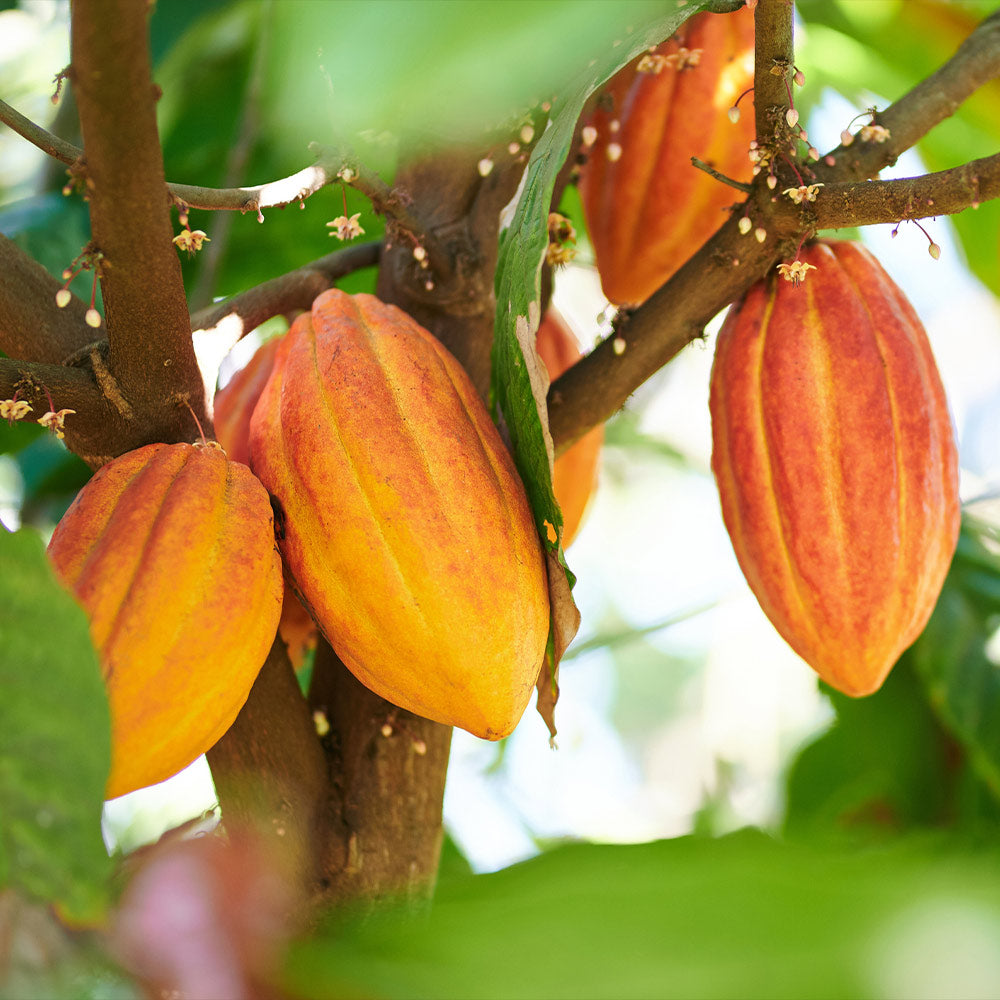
(722, 178)
(946, 192)
(57, 148)
(288, 292)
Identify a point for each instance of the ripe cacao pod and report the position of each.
(235, 401)
(646, 207)
(234, 404)
(170, 551)
(403, 522)
(836, 464)
(575, 474)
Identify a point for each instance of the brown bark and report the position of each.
(151, 353)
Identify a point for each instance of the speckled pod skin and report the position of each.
(404, 524)
(170, 551)
(836, 464)
(649, 210)
(575, 475)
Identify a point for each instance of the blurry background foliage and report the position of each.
(875, 869)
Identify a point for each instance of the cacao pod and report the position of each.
(234, 404)
(170, 551)
(575, 474)
(646, 207)
(835, 462)
(403, 522)
(235, 401)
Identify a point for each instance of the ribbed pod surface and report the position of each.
(405, 526)
(170, 551)
(647, 208)
(836, 464)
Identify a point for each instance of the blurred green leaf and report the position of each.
(742, 916)
(55, 742)
(953, 656)
(448, 69)
(882, 767)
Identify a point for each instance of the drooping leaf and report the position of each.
(519, 381)
(742, 916)
(55, 742)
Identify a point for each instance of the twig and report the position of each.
(288, 292)
(712, 172)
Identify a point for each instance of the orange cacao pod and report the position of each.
(647, 208)
(404, 524)
(575, 473)
(170, 550)
(836, 464)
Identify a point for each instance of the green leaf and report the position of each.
(55, 742)
(742, 916)
(952, 655)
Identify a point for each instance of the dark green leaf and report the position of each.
(742, 916)
(55, 744)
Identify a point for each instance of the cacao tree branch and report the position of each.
(59, 387)
(151, 353)
(32, 326)
(279, 785)
(288, 292)
(975, 63)
(332, 165)
(598, 385)
(774, 57)
(55, 147)
(945, 192)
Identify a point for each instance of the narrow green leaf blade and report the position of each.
(55, 743)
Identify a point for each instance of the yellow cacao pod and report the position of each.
(170, 551)
(646, 207)
(575, 474)
(836, 464)
(403, 522)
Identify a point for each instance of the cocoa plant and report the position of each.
(413, 447)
